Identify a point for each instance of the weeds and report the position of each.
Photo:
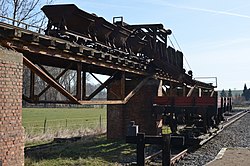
(92, 150)
(36, 138)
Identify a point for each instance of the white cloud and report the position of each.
(228, 13)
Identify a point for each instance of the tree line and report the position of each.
(223, 93)
(246, 93)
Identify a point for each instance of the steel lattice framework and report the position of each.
(39, 50)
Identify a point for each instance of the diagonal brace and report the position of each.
(49, 80)
(100, 82)
(57, 78)
(136, 89)
(102, 86)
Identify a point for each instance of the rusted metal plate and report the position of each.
(205, 101)
(180, 101)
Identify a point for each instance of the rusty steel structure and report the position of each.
(84, 42)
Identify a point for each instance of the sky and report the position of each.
(214, 35)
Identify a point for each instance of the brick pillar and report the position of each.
(11, 130)
(115, 120)
(138, 109)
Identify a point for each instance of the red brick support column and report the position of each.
(138, 109)
(115, 117)
(11, 130)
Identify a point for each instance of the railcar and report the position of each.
(196, 111)
(146, 42)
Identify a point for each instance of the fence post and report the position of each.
(166, 152)
(66, 122)
(44, 125)
(100, 122)
(140, 149)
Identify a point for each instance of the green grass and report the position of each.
(91, 151)
(67, 118)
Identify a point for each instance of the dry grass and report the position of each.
(91, 150)
(31, 138)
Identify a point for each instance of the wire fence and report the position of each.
(43, 126)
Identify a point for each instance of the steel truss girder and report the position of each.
(47, 78)
(42, 46)
(53, 82)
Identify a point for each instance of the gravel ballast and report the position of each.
(235, 135)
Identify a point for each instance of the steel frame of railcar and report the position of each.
(198, 107)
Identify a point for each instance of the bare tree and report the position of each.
(24, 11)
(28, 11)
(3, 8)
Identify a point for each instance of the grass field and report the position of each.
(89, 151)
(92, 149)
(55, 121)
(64, 117)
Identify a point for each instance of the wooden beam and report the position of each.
(79, 57)
(212, 93)
(82, 102)
(102, 102)
(160, 90)
(200, 92)
(49, 80)
(190, 91)
(136, 89)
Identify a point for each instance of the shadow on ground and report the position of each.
(94, 147)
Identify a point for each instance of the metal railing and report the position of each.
(21, 24)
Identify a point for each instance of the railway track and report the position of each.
(175, 158)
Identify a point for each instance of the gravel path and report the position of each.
(236, 135)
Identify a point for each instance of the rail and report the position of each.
(184, 152)
(225, 124)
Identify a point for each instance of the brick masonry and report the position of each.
(138, 109)
(11, 130)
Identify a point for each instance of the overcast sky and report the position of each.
(214, 35)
